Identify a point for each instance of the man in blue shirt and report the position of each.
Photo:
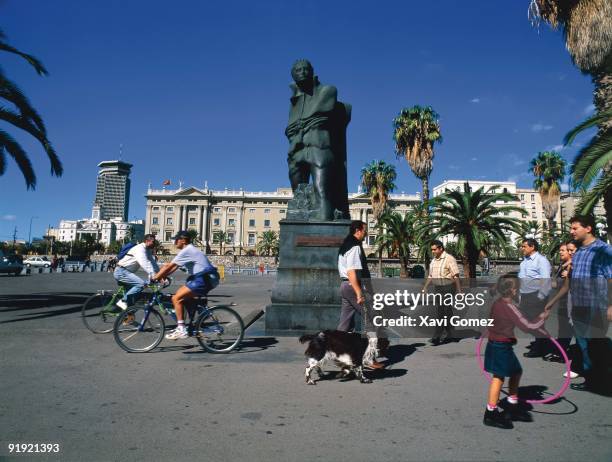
(203, 277)
(591, 293)
(534, 274)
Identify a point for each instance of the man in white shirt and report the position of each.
(203, 277)
(353, 270)
(138, 257)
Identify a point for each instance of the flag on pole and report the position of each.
(166, 183)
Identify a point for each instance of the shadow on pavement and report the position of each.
(34, 301)
(376, 375)
(397, 353)
(248, 345)
(12, 303)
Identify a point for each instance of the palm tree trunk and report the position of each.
(403, 267)
(380, 267)
(425, 182)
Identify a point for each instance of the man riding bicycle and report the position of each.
(139, 256)
(203, 277)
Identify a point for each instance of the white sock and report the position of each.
(491, 408)
(181, 325)
(513, 399)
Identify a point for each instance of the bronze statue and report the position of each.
(317, 142)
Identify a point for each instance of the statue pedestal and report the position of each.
(306, 295)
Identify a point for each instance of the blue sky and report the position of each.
(198, 91)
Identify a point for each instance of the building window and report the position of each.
(168, 235)
(533, 198)
(251, 223)
(217, 209)
(266, 210)
(169, 220)
(251, 210)
(505, 190)
(230, 238)
(192, 221)
(371, 240)
(252, 238)
(522, 197)
(155, 221)
(282, 211)
(231, 210)
(231, 222)
(169, 209)
(266, 223)
(156, 208)
(216, 222)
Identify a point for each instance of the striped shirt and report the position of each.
(591, 270)
(443, 269)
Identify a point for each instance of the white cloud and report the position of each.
(555, 147)
(453, 167)
(9, 217)
(474, 158)
(540, 127)
(475, 100)
(589, 109)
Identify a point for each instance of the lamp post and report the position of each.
(30, 232)
(601, 229)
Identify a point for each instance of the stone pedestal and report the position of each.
(306, 295)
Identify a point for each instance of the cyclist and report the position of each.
(137, 257)
(203, 277)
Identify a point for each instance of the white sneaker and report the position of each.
(177, 334)
(121, 304)
(572, 375)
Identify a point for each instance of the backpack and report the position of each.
(124, 250)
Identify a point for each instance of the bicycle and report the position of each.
(141, 328)
(99, 311)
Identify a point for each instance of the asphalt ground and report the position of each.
(62, 384)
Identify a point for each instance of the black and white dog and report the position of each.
(349, 351)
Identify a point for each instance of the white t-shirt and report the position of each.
(192, 259)
(351, 260)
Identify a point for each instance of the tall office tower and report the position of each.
(113, 189)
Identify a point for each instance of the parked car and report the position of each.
(11, 264)
(38, 262)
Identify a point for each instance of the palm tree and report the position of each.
(195, 240)
(593, 164)
(586, 26)
(529, 228)
(220, 237)
(268, 243)
(416, 129)
(474, 219)
(399, 234)
(549, 170)
(22, 115)
(377, 178)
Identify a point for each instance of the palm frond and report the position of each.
(34, 62)
(12, 93)
(592, 122)
(8, 144)
(589, 200)
(591, 160)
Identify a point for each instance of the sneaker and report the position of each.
(177, 334)
(497, 419)
(518, 412)
(374, 365)
(572, 375)
(121, 304)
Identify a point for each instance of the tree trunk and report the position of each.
(425, 181)
(403, 267)
(380, 267)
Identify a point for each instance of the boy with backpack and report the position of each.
(130, 258)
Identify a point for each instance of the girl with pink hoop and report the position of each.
(500, 360)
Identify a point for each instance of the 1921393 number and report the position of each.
(33, 447)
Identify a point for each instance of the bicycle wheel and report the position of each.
(139, 329)
(99, 313)
(219, 330)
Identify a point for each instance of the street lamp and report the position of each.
(30, 232)
(601, 228)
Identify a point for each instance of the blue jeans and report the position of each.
(584, 348)
(127, 277)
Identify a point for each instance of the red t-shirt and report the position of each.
(505, 317)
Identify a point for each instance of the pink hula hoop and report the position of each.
(568, 365)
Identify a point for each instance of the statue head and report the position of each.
(302, 71)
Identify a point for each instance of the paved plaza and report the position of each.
(62, 384)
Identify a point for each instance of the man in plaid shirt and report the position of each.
(591, 292)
